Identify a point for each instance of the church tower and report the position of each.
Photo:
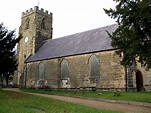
(36, 26)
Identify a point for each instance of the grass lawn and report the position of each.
(127, 96)
(14, 102)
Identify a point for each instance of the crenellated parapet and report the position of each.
(37, 10)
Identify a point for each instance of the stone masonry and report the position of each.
(111, 72)
(88, 68)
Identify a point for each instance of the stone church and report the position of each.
(82, 60)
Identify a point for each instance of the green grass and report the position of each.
(14, 102)
(127, 96)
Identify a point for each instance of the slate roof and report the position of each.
(91, 41)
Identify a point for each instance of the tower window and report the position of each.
(24, 56)
(27, 23)
(43, 24)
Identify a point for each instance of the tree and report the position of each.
(132, 38)
(8, 61)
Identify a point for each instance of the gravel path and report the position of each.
(115, 106)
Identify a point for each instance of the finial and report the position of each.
(38, 3)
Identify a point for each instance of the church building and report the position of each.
(82, 60)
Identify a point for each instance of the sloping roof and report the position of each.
(81, 43)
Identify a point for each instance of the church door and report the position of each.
(139, 81)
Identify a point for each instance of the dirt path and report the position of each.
(98, 104)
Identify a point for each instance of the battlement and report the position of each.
(36, 9)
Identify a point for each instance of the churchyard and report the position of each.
(15, 102)
(110, 95)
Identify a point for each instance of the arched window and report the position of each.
(94, 67)
(27, 23)
(43, 23)
(64, 70)
(41, 71)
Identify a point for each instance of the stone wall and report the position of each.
(111, 72)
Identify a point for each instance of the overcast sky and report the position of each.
(69, 16)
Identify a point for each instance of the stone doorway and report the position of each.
(139, 81)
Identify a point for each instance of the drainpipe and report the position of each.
(25, 75)
(125, 68)
(126, 78)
